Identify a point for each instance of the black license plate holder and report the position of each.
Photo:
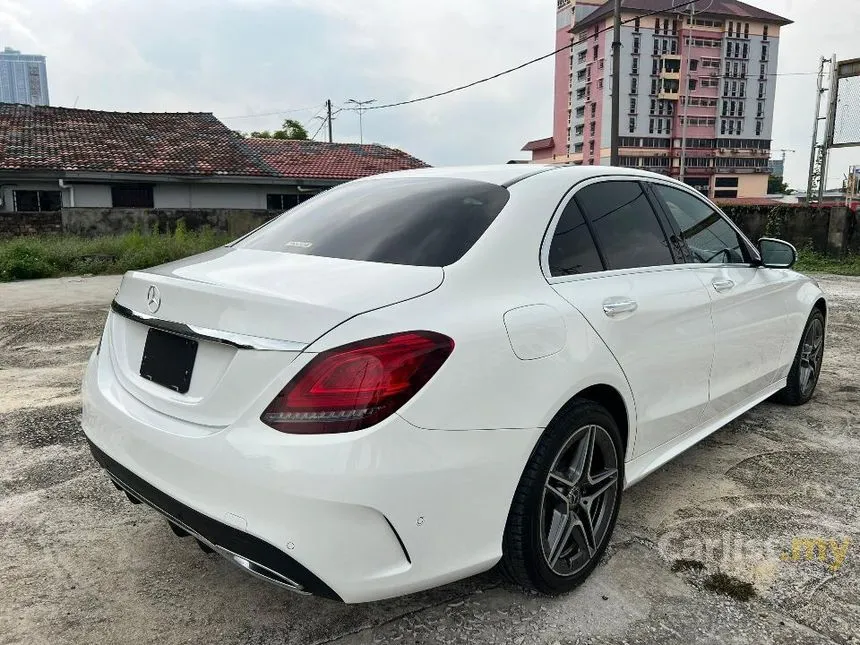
(168, 360)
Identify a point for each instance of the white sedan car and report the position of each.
(414, 377)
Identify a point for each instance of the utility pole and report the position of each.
(360, 109)
(813, 155)
(615, 159)
(328, 110)
(686, 109)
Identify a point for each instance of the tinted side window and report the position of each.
(426, 221)
(625, 225)
(572, 250)
(709, 237)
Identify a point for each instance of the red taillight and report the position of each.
(358, 385)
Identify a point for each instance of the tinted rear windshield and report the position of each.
(422, 221)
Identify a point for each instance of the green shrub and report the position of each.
(46, 257)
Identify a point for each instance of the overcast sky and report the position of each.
(247, 57)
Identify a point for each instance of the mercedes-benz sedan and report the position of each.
(414, 377)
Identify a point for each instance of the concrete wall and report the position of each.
(833, 231)
(91, 222)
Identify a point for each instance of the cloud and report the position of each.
(241, 57)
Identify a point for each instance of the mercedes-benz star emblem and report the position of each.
(153, 299)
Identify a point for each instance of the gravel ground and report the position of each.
(702, 552)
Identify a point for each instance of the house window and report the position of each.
(281, 202)
(132, 196)
(31, 201)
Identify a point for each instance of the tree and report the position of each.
(776, 186)
(291, 129)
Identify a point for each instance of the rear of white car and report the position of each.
(209, 399)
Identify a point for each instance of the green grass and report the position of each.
(26, 258)
(810, 262)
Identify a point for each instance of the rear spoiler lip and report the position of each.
(194, 332)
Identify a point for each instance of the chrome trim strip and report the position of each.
(249, 566)
(194, 332)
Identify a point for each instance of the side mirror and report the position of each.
(776, 254)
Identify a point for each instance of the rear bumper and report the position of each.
(359, 517)
(252, 554)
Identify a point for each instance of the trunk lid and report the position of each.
(231, 299)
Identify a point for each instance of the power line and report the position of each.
(526, 64)
(275, 113)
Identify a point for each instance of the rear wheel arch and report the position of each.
(611, 399)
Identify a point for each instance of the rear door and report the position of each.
(750, 303)
(653, 314)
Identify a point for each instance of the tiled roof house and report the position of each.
(59, 157)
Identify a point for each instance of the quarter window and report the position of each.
(625, 225)
(572, 250)
(710, 238)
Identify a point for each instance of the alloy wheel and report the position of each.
(578, 500)
(810, 356)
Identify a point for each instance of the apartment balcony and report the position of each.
(669, 95)
(670, 67)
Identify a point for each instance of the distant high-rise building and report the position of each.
(723, 60)
(23, 78)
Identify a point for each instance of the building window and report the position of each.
(635, 65)
(633, 105)
(694, 65)
(636, 24)
(737, 50)
(674, 48)
(665, 46)
(581, 56)
(578, 130)
(760, 111)
(758, 128)
(725, 194)
(746, 51)
(632, 124)
(132, 196)
(653, 86)
(764, 33)
(692, 83)
(654, 67)
(591, 128)
(657, 26)
(743, 89)
(735, 68)
(763, 70)
(731, 28)
(601, 64)
(740, 108)
(593, 110)
(634, 85)
(600, 83)
(32, 201)
(764, 52)
(761, 90)
(580, 93)
(282, 202)
(746, 30)
(651, 126)
(656, 46)
(636, 43)
(723, 126)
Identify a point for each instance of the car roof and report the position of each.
(508, 174)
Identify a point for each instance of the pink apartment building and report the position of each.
(730, 49)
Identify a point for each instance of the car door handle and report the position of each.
(723, 285)
(617, 307)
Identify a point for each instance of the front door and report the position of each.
(653, 314)
(748, 302)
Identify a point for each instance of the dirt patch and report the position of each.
(729, 586)
(42, 427)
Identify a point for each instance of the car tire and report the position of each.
(546, 546)
(806, 368)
